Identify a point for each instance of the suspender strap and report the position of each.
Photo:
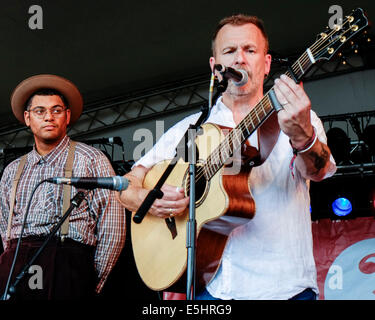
(67, 188)
(13, 193)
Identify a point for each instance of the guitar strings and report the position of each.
(238, 135)
(304, 59)
(229, 139)
(330, 34)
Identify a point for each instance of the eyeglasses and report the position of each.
(40, 112)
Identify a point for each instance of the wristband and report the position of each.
(305, 148)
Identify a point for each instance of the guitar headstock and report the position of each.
(330, 42)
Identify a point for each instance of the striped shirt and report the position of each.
(99, 221)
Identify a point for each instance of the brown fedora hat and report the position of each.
(30, 85)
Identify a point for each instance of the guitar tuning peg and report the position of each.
(350, 18)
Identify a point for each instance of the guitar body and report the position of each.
(222, 203)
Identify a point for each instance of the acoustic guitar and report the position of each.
(223, 200)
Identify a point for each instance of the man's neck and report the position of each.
(240, 105)
(45, 147)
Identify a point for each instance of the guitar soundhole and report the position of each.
(201, 186)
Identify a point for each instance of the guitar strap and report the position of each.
(68, 170)
(268, 134)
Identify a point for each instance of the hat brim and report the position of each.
(30, 85)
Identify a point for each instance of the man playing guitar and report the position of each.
(271, 256)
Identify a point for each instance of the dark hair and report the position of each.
(239, 20)
(46, 92)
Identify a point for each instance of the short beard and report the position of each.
(237, 91)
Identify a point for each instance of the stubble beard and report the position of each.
(50, 138)
(249, 90)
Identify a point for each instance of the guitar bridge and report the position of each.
(171, 224)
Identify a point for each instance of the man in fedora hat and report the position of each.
(77, 261)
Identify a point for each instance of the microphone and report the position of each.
(117, 183)
(238, 77)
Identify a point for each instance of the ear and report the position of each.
(267, 65)
(68, 114)
(26, 116)
(212, 63)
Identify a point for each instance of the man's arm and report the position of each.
(110, 227)
(172, 203)
(5, 191)
(315, 163)
(133, 196)
(313, 156)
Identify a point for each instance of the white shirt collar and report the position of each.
(221, 114)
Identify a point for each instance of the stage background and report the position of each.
(344, 252)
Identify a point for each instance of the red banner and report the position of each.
(344, 252)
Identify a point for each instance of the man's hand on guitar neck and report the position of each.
(294, 120)
(294, 117)
(172, 204)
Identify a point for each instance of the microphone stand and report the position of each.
(75, 203)
(191, 225)
(187, 142)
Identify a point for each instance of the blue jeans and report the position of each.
(307, 294)
(205, 295)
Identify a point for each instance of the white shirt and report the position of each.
(270, 257)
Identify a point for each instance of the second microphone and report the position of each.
(117, 183)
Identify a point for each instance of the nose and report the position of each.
(48, 115)
(240, 57)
